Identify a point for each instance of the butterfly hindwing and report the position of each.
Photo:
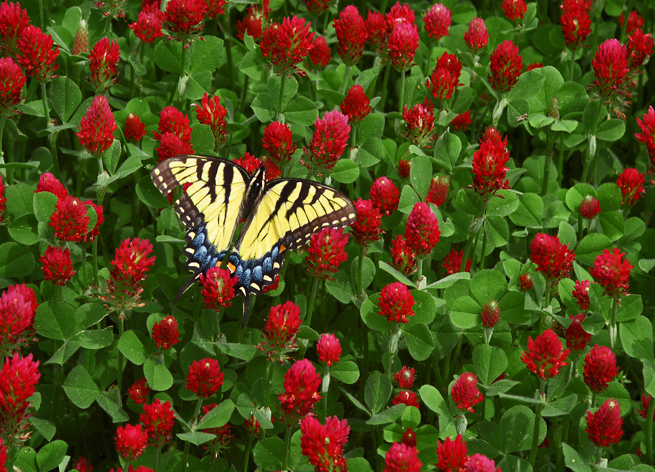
(289, 212)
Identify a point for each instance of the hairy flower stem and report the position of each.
(312, 299)
(613, 327)
(591, 149)
(360, 270)
(51, 137)
(346, 78)
(419, 270)
(572, 65)
(96, 280)
(187, 444)
(649, 431)
(535, 434)
(393, 348)
(287, 447)
(242, 99)
(85, 277)
(180, 91)
(246, 454)
(158, 460)
(484, 248)
(402, 91)
(545, 305)
(280, 115)
(269, 384)
(119, 380)
(385, 82)
(580, 227)
(467, 251)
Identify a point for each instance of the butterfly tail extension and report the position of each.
(187, 285)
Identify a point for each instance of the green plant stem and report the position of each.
(96, 280)
(360, 269)
(467, 251)
(3, 120)
(242, 99)
(228, 45)
(85, 277)
(119, 380)
(158, 460)
(385, 82)
(419, 270)
(393, 348)
(287, 447)
(549, 160)
(402, 92)
(580, 228)
(269, 385)
(312, 299)
(484, 248)
(585, 169)
(613, 328)
(182, 72)
(346, 77)
(196, 412)
(545, 304)
(246, 455)
(353, 135)
(187, 445)
(649, 431)
(51, 138)
(560, 161)
(557, 442)
(325, 395)
(280, 115)
(572, 64)
(535, 435)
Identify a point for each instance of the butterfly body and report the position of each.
(279, 215)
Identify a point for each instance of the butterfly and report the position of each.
(280, 215)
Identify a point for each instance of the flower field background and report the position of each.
(491, 309)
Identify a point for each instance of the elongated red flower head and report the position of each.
(465, 392)
(131, 441)
(452, 455)
(281, 328)
(278, 142)
(36, 53)
(477, 36)
(400, 14)
(17, 310)
(489, 171)
(402, 458)
(286, 44)
(323, 444)
(350, 28)
(129, 269)
(204, 378)
(356, 104)
(184, 19)
(134, 128)
(385, 195)
(70, 220)
(18, 378)
(553, 259)
(402, 45)
(576, 21)
(545, 356)
(211, 112)
(635, 21)
(139, 391)
(326, 252)
(481, 463)
(255, 21)
(462, 121)
(172, 120)
(13, 20)
(103, 60)
(590, 207)
(377, 30)
(158, 420)
(319, 54)
(576, 337)
(402, 256)
(170, 145)
(599, 368)
(218, 288)
(420, 123)
(490, 314)
(422, 230)
(581, 293)
(301, 384)
(57, 265)
(49, 183)
(610, 65)
(404, 168)
(165, 333)
(148, 25)
(330, 139)
(453, 261)
(396, 302)
(631, 183)
(445, 78)
(647, 136)
(514, 9)
(438, 192)
(328, 349)
(605, 426)
(437, 21)
(409, 438)
(406, 398)
(506, 66)
(525, 282)
(317, 7)
(367, 228)
(96, 132)
(405, 377)
(612, 272)
(645, 402)
(11, 86)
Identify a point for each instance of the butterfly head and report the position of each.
(257, 185)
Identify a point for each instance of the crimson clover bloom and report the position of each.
(17, 310)
(172, 120)
(286, 44)
(255, 21)
(279, 333)
(405, 377)
(514, 9)
(70, 219)
(402, 45)
(409, 438)
(545, 356)
(103, 60)
(158, 420)
(590, 207)
(481, 463)
(215, 8)
(165, 333)
(422, 230)
(631, 184)
(96, 132)
(57, 265)
(385, 195)
(640, 46)
(635, 21)
(170, 146)
(367, 227)
(328, 349)
(576, 22)
(553, 259)
(453, 261)
(647, 126)
(323, 444)
(438, 190)
(576, 337)
(301, 384)
(396, 302)
(610, 65)
(317, 7)
(210, 112)
(330, 139)
(581, 293)
(11, 86)
(351, 35)
(490, 314)
(134, 128)
(139, 391)
(445, 78)
(18, 378)
(437, 21)
(204, 378)
(605, 426)
(465, 392)
(462, 121)
(131, 441)
(81, 465)
(249, 162)
(377, 30)
(404, 168)
(319, 54)
(326, 252)
(184, 19)
(148, 25)
(400, 14)
(36, 54)
(612, 272)
(407, 398)
(525, 282)
(218, 288)
(129, 270)
(489, 161)
(356, 104)
(477, 36)
(278, 142)
(402, 256)
(645, 402)
(599, 368)
(13, 20)
(452, 455)
(506, 65)
(420, 123)
(402, 458)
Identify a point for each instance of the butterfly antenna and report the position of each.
(186, 286)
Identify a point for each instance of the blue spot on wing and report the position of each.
(255, 274)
